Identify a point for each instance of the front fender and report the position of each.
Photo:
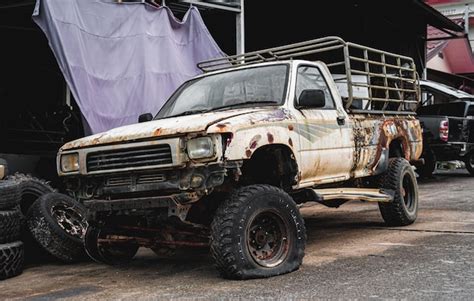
(244, 142)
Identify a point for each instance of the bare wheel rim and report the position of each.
(471, 161)
(71, 221)
(268, 239)
(114, 252)
(408, 192)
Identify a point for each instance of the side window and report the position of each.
(311, 78)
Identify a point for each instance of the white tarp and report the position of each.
(122, 60)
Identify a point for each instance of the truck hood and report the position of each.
(160, 128)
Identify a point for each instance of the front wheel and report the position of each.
(258, 232)
(469, 161)
(401, 179)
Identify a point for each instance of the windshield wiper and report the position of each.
(246, 103)
(191, 112)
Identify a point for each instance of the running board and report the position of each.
(353, 194)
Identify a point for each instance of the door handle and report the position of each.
(341, 120)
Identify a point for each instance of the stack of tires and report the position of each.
(11, 248)
(52, 224)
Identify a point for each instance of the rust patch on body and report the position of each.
(254, 141)
(291, 127)
(248, 153)
(290, 142)
(157, 132)
(270, 138)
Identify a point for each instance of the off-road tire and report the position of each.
(31, 189)
(230, 232)
(469, 162)
(400, 179)
(426, 170)
(9, 194)
(46, 230)
(9, 226)
(11, 260)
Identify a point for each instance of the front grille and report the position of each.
(134, 180)
(154, 155)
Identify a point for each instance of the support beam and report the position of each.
(240, 29)
(212, 5)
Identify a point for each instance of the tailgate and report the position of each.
(461, 130)
(456, 130)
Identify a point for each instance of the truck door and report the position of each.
(325, 144)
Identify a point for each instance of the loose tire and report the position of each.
(111, 254)
(258, 232)
(11, 260)
(469, 161)
(9, 194)
(31, 189)
(9, 226)
(401, 179)
(58, 224)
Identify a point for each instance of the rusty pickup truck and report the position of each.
(232, 153)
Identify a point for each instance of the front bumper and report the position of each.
(171, 203)
(150, 183)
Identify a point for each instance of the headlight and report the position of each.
(70, 162)
(200, 148)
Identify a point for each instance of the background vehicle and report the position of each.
(232, 152)
(448, 128)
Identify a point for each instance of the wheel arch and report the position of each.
(273, 164)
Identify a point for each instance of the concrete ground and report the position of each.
(350, 255)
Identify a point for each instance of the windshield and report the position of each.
(253, 86)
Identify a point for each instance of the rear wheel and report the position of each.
(400, 179)
(469, 161)
(257, 233)
(427, 169)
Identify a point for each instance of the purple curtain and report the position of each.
(122, 60)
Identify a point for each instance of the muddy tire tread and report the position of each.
(222, 249)
(30, 186)
(10, 223)
(393, 213)
(9, 194)
(50, 236)
(11, 259)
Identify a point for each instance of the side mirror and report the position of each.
(312, 98)
(145, 117)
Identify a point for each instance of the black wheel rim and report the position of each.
(408, 192)
(268, 239)
(106, 252)
(70, 220)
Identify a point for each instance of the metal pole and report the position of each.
(240, 29)
(68, 96)
(466, 19)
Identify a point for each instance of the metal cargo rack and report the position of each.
(390, 80)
